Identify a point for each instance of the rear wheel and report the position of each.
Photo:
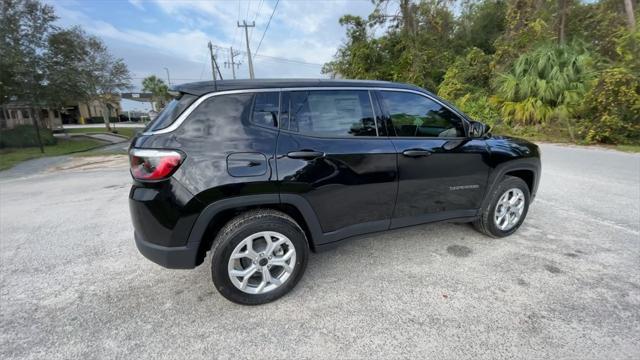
(506, 209)
(258, 257)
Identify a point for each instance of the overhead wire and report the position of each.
(267, 27)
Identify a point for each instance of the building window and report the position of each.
(13, 114)
(25, 114)
(56, 113)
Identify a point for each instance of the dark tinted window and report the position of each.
(416, 115)
(265, 109)
(171, 112)
(222, 115)
(334, 113)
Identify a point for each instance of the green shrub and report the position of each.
(469, 74)
(546, 85)
(479, 108)
(25, 136)
(612, 108)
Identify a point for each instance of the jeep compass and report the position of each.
(258, 173)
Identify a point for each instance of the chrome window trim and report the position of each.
(185, 114)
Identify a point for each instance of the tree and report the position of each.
(45, 66)
(66, 68)
(24, 28)
(527, 26)
(81, 68)
(158, 89)
(103, 76)
(480, 24)
(415, 48)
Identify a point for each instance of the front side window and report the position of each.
(331, 113)
(265, 109)
(414, 115)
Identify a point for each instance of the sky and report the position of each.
(153, 35)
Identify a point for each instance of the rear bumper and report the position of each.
(180, 257)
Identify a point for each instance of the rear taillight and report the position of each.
(147, 164)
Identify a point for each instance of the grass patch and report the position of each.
(628, 148)
(12, 156)
(128, 132)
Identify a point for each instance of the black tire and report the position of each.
(485, 223)
(239, 228)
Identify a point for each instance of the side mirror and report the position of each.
(478, 129)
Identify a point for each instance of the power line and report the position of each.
(267, 28)
(289, 60)
(274, 57)
(235, 35)
(255, 17)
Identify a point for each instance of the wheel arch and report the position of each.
(215, 215)
(526, 169)
(527, 175)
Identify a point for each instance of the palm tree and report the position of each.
(546, 84)
(158, 89)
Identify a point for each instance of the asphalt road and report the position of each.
(567, 285)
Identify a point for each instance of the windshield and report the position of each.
(170, 112)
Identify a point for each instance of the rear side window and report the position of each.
(222, 115)
(414, 115)
(331, 113)
(265, 109)
(171, 112)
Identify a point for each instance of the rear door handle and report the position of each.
(306, 155)
(416, 153)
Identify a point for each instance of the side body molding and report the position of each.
(318, 238)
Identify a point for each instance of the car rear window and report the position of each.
(171, 112)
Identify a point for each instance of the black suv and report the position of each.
(260, 172)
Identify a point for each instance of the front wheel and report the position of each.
(258, 257)
(506, 209)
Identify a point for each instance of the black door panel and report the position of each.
(442, 173)
(353, 182)
(444, 181)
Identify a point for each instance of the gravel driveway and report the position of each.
(567, 285)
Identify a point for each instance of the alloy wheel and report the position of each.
(509, 209)
(262, 262)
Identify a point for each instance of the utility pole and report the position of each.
(168, 77)
(232, 63)
(214, 64)
(246, 35)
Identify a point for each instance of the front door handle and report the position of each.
(416, 153)
(306, 155)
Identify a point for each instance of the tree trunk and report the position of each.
(631, 18)
(35, 117)
(5, 114)
(407, 16)
(562, 5)
(105, 116)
